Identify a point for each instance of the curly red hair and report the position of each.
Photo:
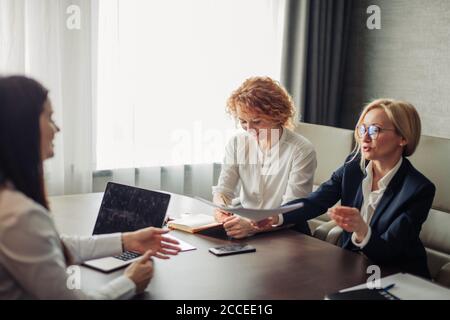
(266, 97)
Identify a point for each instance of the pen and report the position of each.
(385, 292)
(389, 287)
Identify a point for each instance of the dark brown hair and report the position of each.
(21, 105)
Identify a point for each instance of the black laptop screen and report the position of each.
(126, 208)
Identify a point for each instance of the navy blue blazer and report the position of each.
(396, 222)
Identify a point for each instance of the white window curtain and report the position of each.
(141, 83)
(166, 69)
(35, 40)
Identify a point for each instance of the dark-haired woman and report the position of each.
(33, 257)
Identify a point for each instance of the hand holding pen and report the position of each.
(219, 214)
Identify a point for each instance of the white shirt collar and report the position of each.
(384, 182)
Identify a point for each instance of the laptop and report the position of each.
(124, 209)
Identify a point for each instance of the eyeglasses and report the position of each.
(372, 130)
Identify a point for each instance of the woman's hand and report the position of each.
(238, 227)
(350, 220)
(152, 239)
(221, 215)
(221, 200)
(267, 223)
(141, 272)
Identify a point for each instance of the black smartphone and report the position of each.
(232, 249)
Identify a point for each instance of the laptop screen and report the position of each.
(125, 208)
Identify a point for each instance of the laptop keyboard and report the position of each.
(127, 255)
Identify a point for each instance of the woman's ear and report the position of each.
(403, 142)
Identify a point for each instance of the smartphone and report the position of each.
(232, 249)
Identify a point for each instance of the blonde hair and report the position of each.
(266, 97)
(404, 118)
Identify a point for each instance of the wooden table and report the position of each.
(286, 265)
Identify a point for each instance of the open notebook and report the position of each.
(193, 222)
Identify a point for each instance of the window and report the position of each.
(165, 69)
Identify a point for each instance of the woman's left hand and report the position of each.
(350, 220)
(238, 227)
(152, 239)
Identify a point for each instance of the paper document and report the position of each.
(254, 214)
(183, 244)
(410, 287)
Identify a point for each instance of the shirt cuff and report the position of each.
(93, 247)
(362, 244)
(108, 244)
(280, 221)
(122, 288)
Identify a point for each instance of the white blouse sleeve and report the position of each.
(362, 244)
(301, 176)
(31, 251)
(229, 175)
(87, 248)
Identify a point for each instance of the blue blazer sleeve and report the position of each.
(400, 239)
(318, 202)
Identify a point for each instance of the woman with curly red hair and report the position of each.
(269, 163)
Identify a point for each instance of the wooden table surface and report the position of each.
(286, 265)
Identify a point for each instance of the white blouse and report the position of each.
(267, 179)
(32, 263)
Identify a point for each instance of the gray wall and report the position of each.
(409, 59)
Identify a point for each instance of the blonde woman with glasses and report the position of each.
(384, 199)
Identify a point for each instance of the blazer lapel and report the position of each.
(358, 198)
(390, 192)
(385, 200)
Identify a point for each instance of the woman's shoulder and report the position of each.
(296, 140)
(410, 175)
(416, 177)
(14, 205)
